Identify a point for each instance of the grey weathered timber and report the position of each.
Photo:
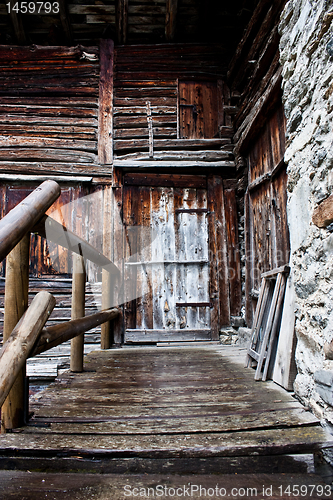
(132, 407)
(107, 285)
(17, 347)
(267, 319)
(78, 311)
(25, 215)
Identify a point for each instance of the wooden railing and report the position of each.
(24, 334)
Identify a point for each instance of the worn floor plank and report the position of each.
(35, 486)
(164, 403)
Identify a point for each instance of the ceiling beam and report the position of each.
(18, 27)
(122, 20)
(65, 21)
(170, 19)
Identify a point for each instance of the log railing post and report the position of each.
(20, 342)
(106, 304)
(16, 302)
(78, 311)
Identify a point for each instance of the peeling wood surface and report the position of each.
(166, 258)
(159, 402)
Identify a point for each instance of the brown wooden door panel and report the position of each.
(168, 266)
(198, 110)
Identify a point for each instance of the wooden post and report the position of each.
(106, 304)
(16, 302)
(107, 297)
(78, 311)
(22, 339)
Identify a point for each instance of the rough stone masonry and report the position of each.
(306, 52)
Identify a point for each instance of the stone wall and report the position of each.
(306, 52)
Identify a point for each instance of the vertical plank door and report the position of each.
(167, 268)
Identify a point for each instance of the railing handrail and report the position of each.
(22, 218)
(17, 347)
(28, 337)
(55, 335)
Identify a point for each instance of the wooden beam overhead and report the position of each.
(170, 19)
(122, 20)
(18, 27)
(65, 21)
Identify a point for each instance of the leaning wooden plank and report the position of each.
(25, 215)
(264, 289)
(277, 318)
(274, 272)
(57, 334)
(284, 368)
(18, 346)
(268, 328)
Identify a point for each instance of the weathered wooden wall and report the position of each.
(79, 208)
(254, 78)
(49, 109)
(151, 74)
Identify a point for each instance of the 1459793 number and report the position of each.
(306, 490)
(33, 7)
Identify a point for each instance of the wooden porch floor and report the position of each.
(183, 408)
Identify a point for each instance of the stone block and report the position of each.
(323, 214)
(324, 377)
(237, 321)
(244, 336)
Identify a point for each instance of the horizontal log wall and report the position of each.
(49, 109)
(150, 74)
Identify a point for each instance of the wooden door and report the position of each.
(166, 264)
(267, 232)
(198, 109)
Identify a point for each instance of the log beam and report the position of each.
(122, 20)
(78, 311)
(105, 116)
(25, 215)
(16, 303)
(57, 334)
(20, 342)
(65, 21)
(170, 19)
(18, 27)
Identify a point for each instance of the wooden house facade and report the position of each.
(168, 144)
